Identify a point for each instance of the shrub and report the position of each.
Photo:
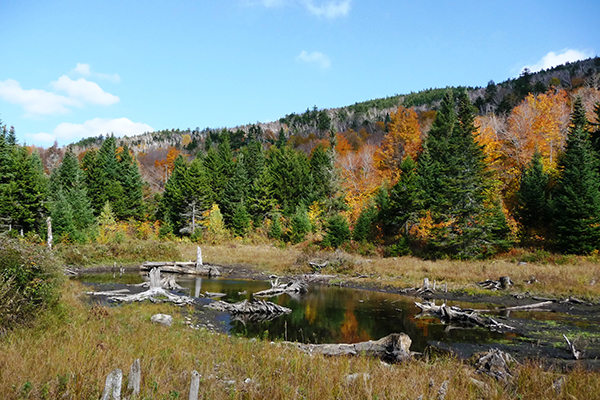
(337, 231)
(28, 282)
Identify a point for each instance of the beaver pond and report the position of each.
(334, 314)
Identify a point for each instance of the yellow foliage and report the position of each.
(186, 139)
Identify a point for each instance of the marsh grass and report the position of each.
(70, 352)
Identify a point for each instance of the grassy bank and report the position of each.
(554, 275)
(71, 350)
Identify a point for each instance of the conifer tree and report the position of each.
(130, 180)
(261, 200)
(276, 231)
(30, 190)
(337, 231)
(364, 226)
(290, 178)
(172, 203)
(95, 180)
(236, 191)
(240, 221)
(533, 202)
(576, 202)
(300, 225)
(406, 198)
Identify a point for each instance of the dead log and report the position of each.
(391, 348)
(295, 286)
(426, 288)
(502, 283)
(576, 353)
(528, 306)
(112, 387)
(182, 267)
(456, 314)
(250, 311)
(135, 378)
(317, 267)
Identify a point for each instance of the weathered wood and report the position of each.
(163, 319)
(576, 353)
(295, 286)
(455, 314)
(502, 283)
(50, 240)
(495, 363)
(112, 387)
(194, 386)
(250, 311)
(135, 378)
(198, 257)
(182, 267)
(528, 306)
(155, 293)
(392, 348)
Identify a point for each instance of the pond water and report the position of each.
(331, 314)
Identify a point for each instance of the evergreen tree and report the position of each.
(30, 190)
(364, 226)
(70, 209)
(276, 231)
(300, 225)
(172, 203)
(236, 191)
(130, 180)
(321, 169)
(240, 221)
(406, 197)
(290, 178)
(533, 203)
(456, 184)
(261, 200)
(96, 180)
(576, 201)
(337, 231)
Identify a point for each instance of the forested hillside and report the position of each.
(460, 172)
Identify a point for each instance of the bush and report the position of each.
(28, 282)
(300, 226)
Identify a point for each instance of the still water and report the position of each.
(330, 314)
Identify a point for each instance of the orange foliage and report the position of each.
(342, 146)
(168, 162)
(360, 178)
(403, 138)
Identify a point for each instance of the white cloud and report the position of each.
(35, 101)
(68, 132)
(553, 59)
(85, 91)
(82, 69)
(331, 9)
(86, 70)
(315, 57)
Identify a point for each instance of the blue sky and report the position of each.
(74, 69)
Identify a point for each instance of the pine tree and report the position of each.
(276, 231)
(456, 184)
(172, 203)
(300, 225)
(533, 210)
(406, 198)
(337, 231)
(576, 201)
(290, 177)
(30, 190)
(130, 180)
(96, 180)
(364, 226)
(321, 169)
(240, 221)
(236, 191)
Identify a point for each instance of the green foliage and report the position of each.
(337, 231)
(300, 225)
(240, 222)
(533, 210)
(576, 201)
(276, 231)
(28, 282)
(364, 228)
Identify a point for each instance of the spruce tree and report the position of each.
(364, 226)
(30, 191)
(406, 198)
(533, 211)
(236, 191)
(172, 203)
(576, 202)
(130, 180)
(337, 231)
(240, 221)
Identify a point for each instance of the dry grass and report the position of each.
(557, 276)
(69, 354)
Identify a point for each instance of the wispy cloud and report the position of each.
(553, 59)
(326, 9)
(68, 132)
(316, 58)
(35, 101)
(86, 71)
(330, 10)
(84, 91)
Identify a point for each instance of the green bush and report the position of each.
(337, 231)
(28, 282)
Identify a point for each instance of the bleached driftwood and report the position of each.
(502, 283)
(155, 293)
(182, 267)
(455, 314)
(576, 353)
(528, 306)
(394, 347)
(135, 378)
(112, 387)
(426, 288)
(295, 286)
(250, 311)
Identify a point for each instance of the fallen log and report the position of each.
(576, 353)
(182, 267)
(253, 306)
(295, 286)
(391, 348)
(502, 283)
(456, 314)
(528, 306)
(495, 363)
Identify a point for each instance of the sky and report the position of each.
(72, 69)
